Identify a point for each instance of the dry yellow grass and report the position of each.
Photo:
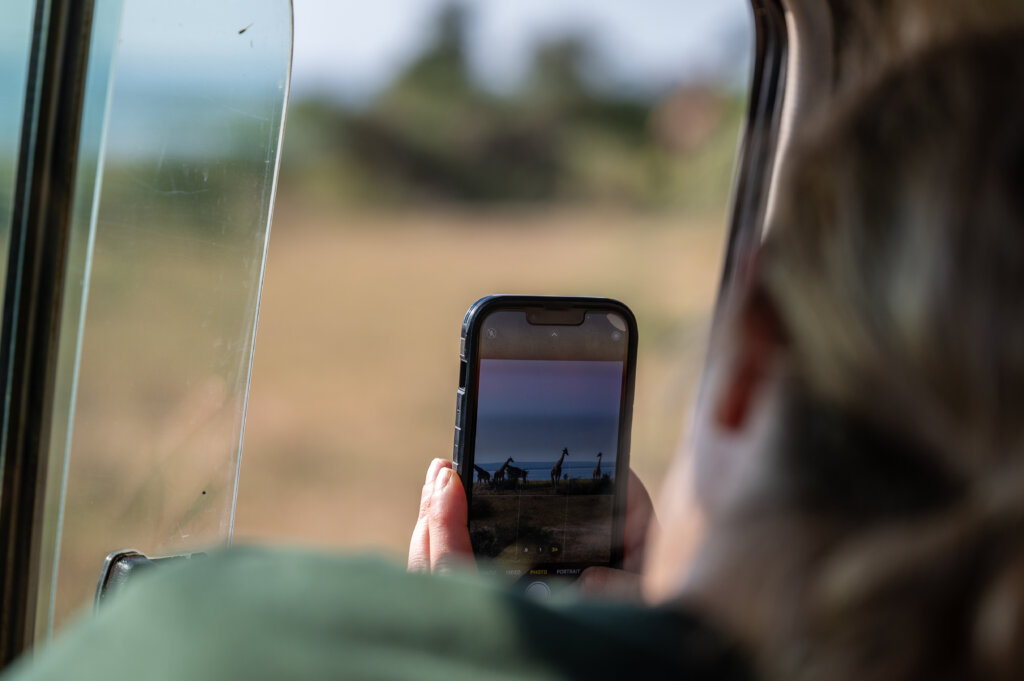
(356, 355)
(355, 370)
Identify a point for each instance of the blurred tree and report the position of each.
(443, 66)
(556, 73)
(435, 135)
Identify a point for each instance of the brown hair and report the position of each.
(875, 33)
(896, 269)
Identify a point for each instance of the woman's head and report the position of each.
(864, 441)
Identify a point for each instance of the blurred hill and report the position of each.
(437, 136)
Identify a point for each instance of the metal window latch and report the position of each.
(122, 566)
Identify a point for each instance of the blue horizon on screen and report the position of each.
(530, 410)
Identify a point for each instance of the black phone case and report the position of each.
(465, 403)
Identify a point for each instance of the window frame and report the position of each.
(40, 232)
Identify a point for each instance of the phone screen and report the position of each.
(546, 450)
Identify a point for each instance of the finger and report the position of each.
(609, 583)
(434, 468)
(449, 543)
(419, 545)
(428, 484)
(639, 518)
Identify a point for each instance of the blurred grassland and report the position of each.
(357, 353)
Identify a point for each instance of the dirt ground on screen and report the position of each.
(533, 527)
(356, 360)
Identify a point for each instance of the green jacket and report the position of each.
(258, 614)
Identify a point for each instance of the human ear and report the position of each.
(757, 341)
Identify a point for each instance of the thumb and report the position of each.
(447, 523)
(609, 583)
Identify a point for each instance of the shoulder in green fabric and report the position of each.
(258, 614)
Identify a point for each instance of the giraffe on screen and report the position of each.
(499, 475)
(556, 470)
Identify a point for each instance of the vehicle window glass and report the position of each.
(437, 153)
(81, 239)
(183, 152)
(15, 42)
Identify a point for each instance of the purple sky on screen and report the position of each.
(531, 409)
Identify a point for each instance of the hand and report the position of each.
(625, 583)
(440, 540)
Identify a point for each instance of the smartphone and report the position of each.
(543, 417)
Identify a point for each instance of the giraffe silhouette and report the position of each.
(517, 474)
(481, 474)
(499, 475)
(556, 470)
(597, 468)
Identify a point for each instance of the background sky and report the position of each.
(351, 48)
(531, 409)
